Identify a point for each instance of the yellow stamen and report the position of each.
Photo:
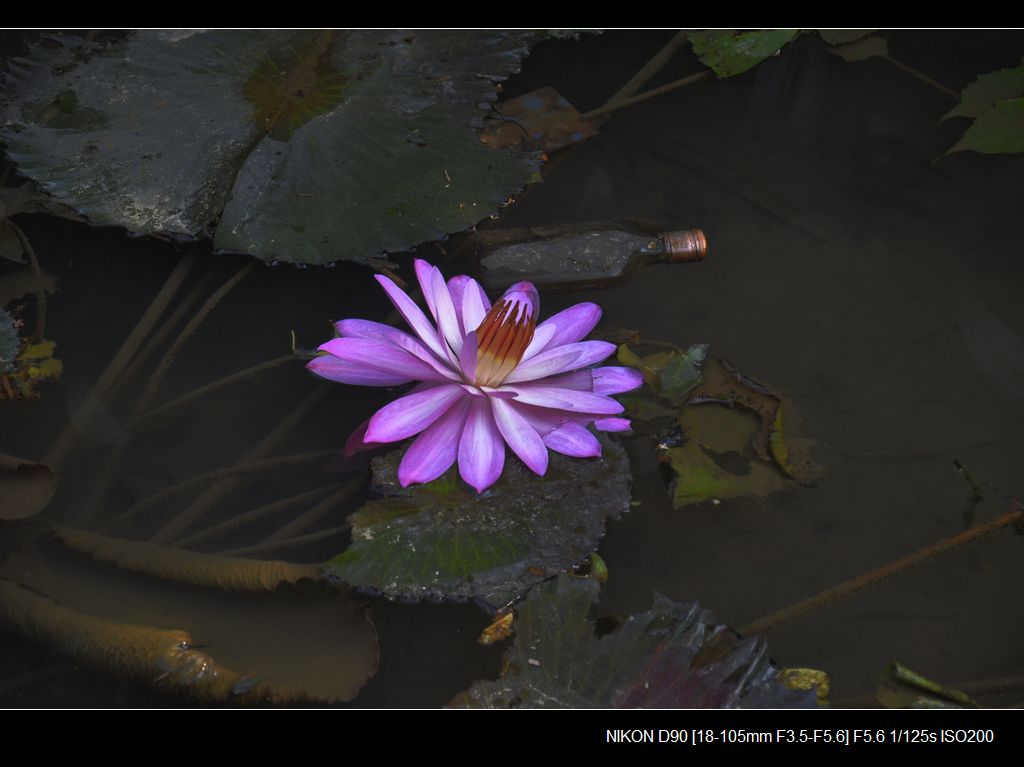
(501, 340)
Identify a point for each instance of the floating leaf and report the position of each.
(997, 131)
(717, 460)
(671, 375)
(865, 48)
(440, 541)
(843, 36)
(901, 687)
(268, 642)
(672, 656)
(540, 120)
(724, 383)
(303, 146)
(729, 53)
(499, 629)
(25, 487)
(981, 95)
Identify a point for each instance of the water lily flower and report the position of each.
(488, 375)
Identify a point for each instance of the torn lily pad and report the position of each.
(672, 656)
(730, 53)
(442, 541)
(304, 146)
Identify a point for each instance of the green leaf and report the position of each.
(843, 36)
(672, 656)
(671, 375)
(862, 49)
(729, 53)
(718, 461)
(441, 540)
(299, 146)
(981, 96)
(997, 131)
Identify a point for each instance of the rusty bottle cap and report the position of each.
(685, 245)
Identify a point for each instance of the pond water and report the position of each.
(877, 290)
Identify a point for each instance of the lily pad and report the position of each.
(672, 656)
(861, 49)
(440, 541)
(299, 146)
(277, 636)
(983, 94)
(717, 460)
(730, 53)
(26, 487)
(843, 36)
(671, 375)
(1000, 130)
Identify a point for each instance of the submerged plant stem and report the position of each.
(299, 540)
(870, 578)
(659, 91)
(922, 77)
(201, 505)
(241, 520)
(319, 511)
(57, 452)
(239, 469)
(153, 387)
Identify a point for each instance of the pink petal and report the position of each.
(565, 399)
(447, 321)
(412, 413)
(561, 359)
(467, 357)
(541, 338)
(581, 380)
(376, 331)
(381, 357)
(524, 292)
(481, 449)
(342, 371)
(460, 286)
(572, 324)
(520, 436)
(434, 451)
(573, 439)
(424, 275)
(414, 316)
(615, 380)
(613, 424)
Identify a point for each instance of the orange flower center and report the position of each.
(501, 340)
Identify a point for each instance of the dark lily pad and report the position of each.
(210, 628)
(730, 53)
(25, 487)
(302, 146)
(843, 36)
(861, 49)
(673, 656)
(441, 541)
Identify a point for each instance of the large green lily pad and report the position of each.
(443, 541)
(300, 146)
(731, 53)
(672, 656)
